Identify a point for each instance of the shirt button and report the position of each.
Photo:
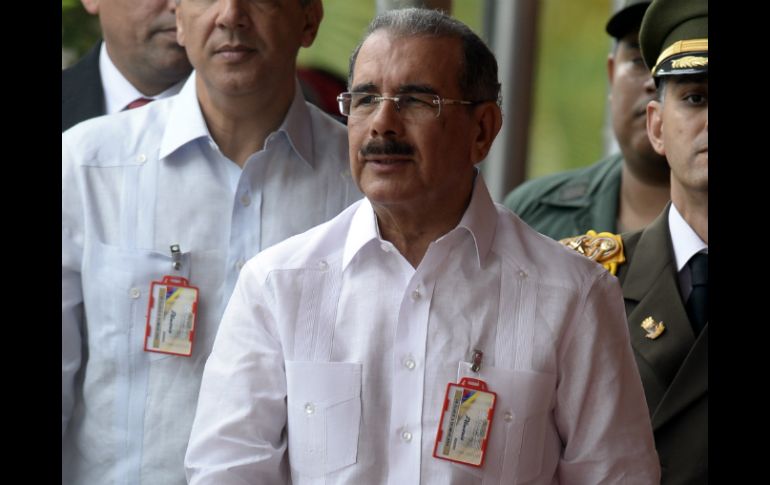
(409, 364)
(522, 273)
(134, 293)
(416, 294)
(141, 158)
(245, 200)
(213, 145)
(309, 408)
(508, 417)
(385, 247)
(406, 436)
(322, 265)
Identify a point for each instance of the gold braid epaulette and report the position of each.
(605, 248)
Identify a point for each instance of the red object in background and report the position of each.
(321, 88)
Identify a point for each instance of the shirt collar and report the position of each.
(186, 123)
(185, 120)
(118, 91)
(297, 126)
(685, 240)
(479, 219)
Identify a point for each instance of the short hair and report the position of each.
(478, 74)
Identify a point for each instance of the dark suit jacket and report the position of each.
(673, 367)
(82, 94)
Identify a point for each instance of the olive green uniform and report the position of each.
(570, 203)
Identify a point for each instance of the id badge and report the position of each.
(171, 316)
(466, 418)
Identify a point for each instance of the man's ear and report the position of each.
(91, 6)
(314, 13)
(489, 120)
(655, 126)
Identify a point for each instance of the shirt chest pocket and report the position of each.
(116, 293)
(324, 415)
(521, 419)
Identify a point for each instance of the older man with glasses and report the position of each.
(424, 335)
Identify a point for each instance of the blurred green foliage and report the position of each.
(570, 86)
(79, 29)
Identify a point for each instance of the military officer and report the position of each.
(624, 191)
(664, 268)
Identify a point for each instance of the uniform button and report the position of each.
(245, 200)
(134, 293)
(409, 364)
(309, 408)
(508, 417)
(141, 158)
(406, 436)
(323, 265)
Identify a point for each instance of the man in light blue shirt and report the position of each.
(235, 163)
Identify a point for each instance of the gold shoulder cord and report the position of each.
(605, 248)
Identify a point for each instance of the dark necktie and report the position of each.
(137, 103)
(697, 303)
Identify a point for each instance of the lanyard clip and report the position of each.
(176, 257)
(476, 360)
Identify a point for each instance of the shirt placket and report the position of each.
(406, 431)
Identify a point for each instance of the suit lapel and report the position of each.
(690, 383)
(651, 289)
(82, 91)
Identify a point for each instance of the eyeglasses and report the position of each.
(411, 106)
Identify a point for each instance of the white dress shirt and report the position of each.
(333, 356)
(686, 244)
(133, 184)
(118, 91)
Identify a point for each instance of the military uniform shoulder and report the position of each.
(568, 188)
(605, 248)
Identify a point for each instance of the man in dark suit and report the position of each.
(139, 58)
(665, 282)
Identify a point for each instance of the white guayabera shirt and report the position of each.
(334, 353)
(133, 184)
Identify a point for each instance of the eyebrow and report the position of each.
(364, 88)
(416, 88)
(404, 88)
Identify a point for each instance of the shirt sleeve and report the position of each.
(72, 316)
(600, 411)
(239, 432)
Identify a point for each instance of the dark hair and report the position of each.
(478, 76)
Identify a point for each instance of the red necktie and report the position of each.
(137, 103)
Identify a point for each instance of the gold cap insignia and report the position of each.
(605, 248)
(653, 328)
(690, 61)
